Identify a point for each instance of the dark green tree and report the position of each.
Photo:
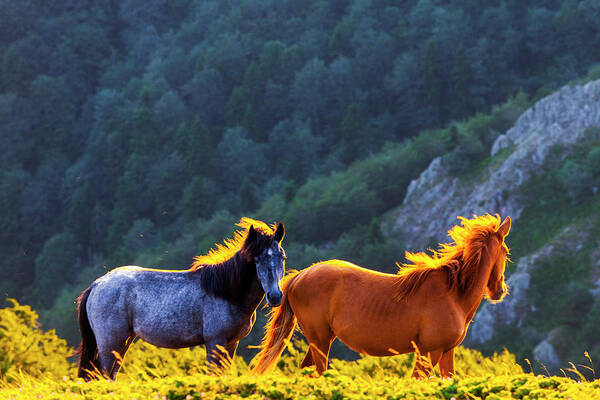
(55, 112)
(236, 107)
(58, 258)
(247, 194)
(354, 133)
(198, 199)
(79, 214)
(165, 182)
(16, 74)
(144, 136)
(433, 84)
(196, 143)
(461, 80)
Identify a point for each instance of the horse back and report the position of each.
(334, 288)
(164, 308)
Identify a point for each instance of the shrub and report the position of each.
(576, 179)
(325, 207)
(25, 348)
(474, 138)
(593, 73)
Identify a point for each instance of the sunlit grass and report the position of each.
(35, 366)
(332, 385)
(152, 373)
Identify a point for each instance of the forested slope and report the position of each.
(140, 131)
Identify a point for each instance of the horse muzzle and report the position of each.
(498, 295)
(274, 299)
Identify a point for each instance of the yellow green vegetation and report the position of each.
(25, 349)
(34, 366)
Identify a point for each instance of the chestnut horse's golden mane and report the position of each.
(223, 252)
(459, 259)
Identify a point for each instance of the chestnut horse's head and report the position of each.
(496, 288)
(478, 245)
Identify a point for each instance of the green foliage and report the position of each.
(593, 73)
(57, 258)
(16, 72)
(589, 331)
(579, 175)
(26, 349)
(62, 314)
(366, 246)
(198, 199)
(552, 276)
(319, 210)
(461, 81)
(575, 178)
(474, 137)
(433, 80)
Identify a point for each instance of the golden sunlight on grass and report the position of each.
(152, 373)
(34, 367)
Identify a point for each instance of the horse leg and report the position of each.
(447, 364)
(231, 347)
(121, 352)
(308, 361)
(424, 364)
(109, 365)
(319, 342)
(219, 354)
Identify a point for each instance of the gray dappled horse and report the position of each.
(212, 303)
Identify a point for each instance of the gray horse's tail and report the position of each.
(278, 331)
(88, 349)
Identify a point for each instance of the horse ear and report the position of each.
(251, 237)
(504, 227)
(280, 232)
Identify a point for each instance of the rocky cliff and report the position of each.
(435, 198)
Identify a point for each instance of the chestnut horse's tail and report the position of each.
(88, 354)
(278, 331)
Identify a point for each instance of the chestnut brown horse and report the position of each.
(428, 304)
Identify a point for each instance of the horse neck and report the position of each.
(254, 292)
(473, 295)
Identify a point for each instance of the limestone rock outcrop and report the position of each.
(435, 198)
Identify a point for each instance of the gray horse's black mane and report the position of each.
(231, 279)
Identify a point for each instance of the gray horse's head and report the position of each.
(270, 264)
